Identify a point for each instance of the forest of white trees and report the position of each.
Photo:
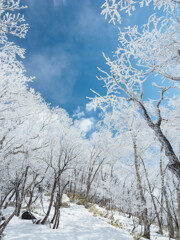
(131, 161)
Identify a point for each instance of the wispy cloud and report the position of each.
(89, 21)
(55, 72)
(78, 113)
(65, 45)
(59, 2)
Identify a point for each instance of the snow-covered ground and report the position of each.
(76, 223)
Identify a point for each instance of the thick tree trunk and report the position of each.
(169, 215)
(174, 163)
(58, 203)
(146, 233)
(54, 215)
(146, 223)
(57, 211)
(178, 235)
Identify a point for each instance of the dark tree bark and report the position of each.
(153, 200)
(50, 203)
(20, 197)
(146, 223)
(2, 228)
(169, 215)
(58, 203)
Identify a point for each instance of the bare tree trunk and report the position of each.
(87, 195)
(153, 200)
(174, 163)
(57, 211)
(2, 228)
(54, 215)
(91, 177)
(178, 235)
(51, 202)
(30, 199)
(5, 197)
(170, 219)
(20, 198)
(9, 199)
(74, 190)
(37, 184)
(146, 223)
(12, 215)
(58, 204)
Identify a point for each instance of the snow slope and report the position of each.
(76, 224)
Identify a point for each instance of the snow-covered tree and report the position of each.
(11, 23)
(145, 55)
(148, 54)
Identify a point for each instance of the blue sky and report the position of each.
(64, 47)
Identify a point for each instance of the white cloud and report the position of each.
(90, 23)
(85, 124)
(78, 113)
(90, 107)
(55, 73)
(59, 2)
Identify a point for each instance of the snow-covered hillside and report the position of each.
(76, 223)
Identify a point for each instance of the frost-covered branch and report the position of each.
(11, 23)
(113, 8)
